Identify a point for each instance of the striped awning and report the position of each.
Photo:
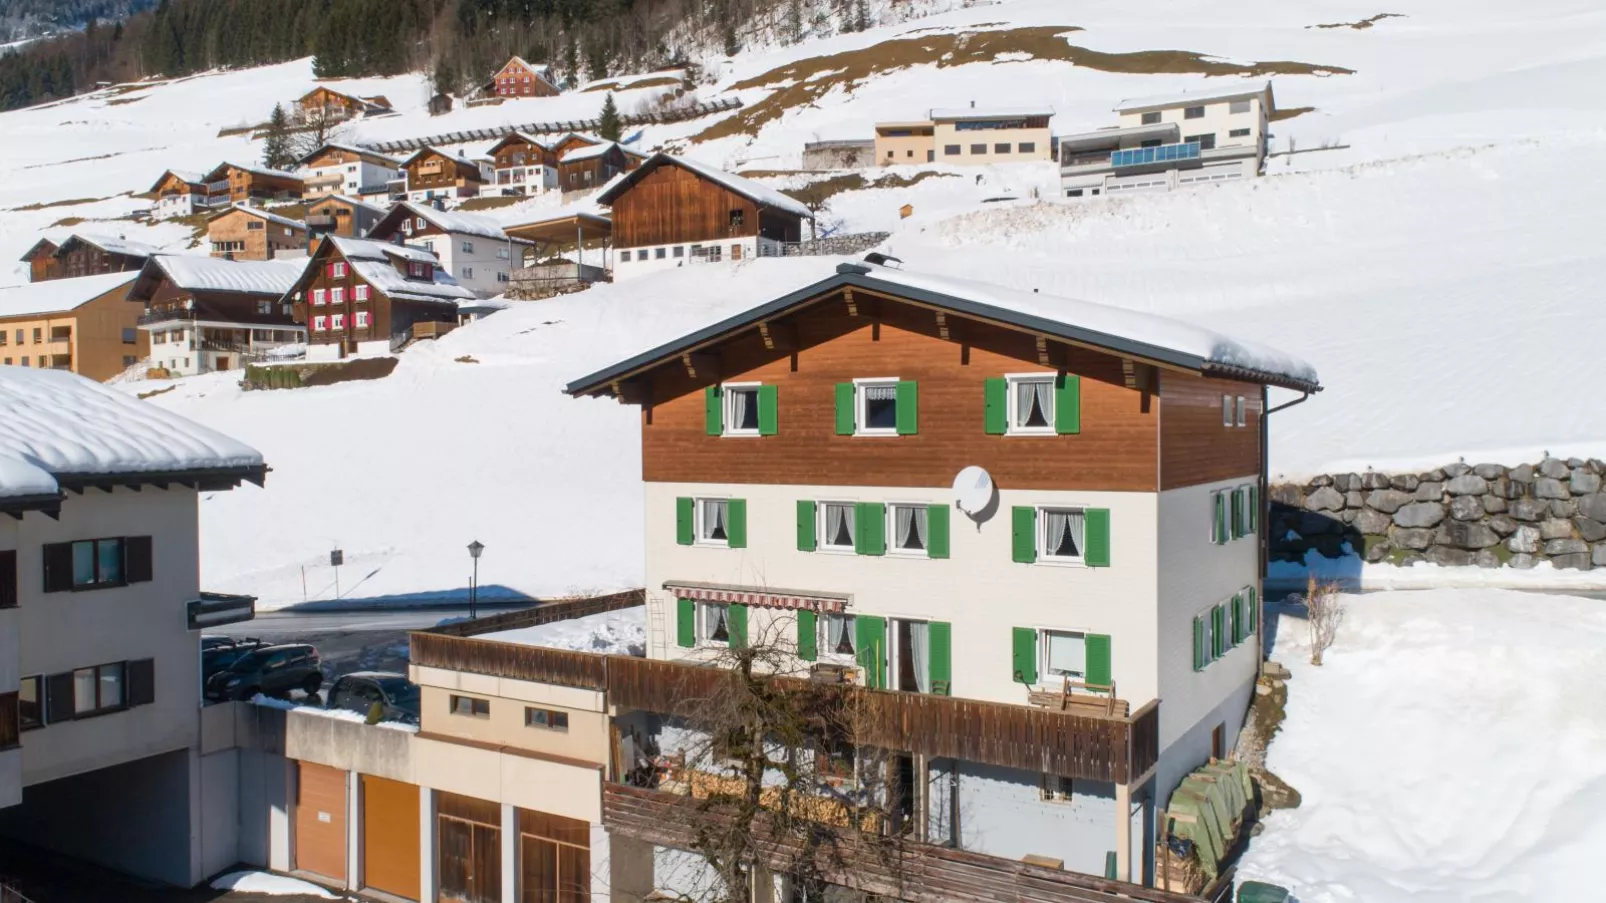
(761, 597)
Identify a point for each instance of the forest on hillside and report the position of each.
(21, 19)
(459, 42)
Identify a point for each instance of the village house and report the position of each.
(85, 324)
(338, 214)
(347, 169)
(474, 249)
(326, 103)
(251, 233)
(905, 142)
(232, 183)
(975, 136)
(205, 313)
(1175, 141)
(518, 78)
(524, 165)
(586, 168)
(178, 193)
(354, 296)
(671, 211)
(84, 254)
(102, 755)
(433, 173)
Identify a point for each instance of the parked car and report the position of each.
(219, 652)
(274, 670)
(359, 691)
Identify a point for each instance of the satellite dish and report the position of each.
(973, 489)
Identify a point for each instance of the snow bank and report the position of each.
(622, 632)
(1448, 750)
(1356, 574)
(270, 884)
(287, 705)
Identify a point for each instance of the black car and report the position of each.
(219, 652)
(360, 691)
(273, 670)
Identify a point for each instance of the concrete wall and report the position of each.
(1001, 812)
(350, 746)
(1042, 141)
(636, 266)
(219, 803)
(586, 737)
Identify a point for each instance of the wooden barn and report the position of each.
(592, 166)
(435, 173)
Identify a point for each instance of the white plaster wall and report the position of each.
(1002, 813)
(946, 134)
(487, 774)
(979, 589)
(219, 802)
(1217, 119)
(175, 205)
(1192, 748)
(624, 269)
(485, 260)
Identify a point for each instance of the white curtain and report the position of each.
(1067, 654)
(838, 639)
(714, 627)
(881, 393)
(1034, 400)
(838, 525)
(920, 654)
(713, 519)
(911, 527)
(1064, 531)
(739, 408)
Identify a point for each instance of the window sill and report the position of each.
(91, 587)
(710, 544)
(921, 554)
(755, 434)
(468, 715)
(1045, 431)
(873, 434)
(1060, 562)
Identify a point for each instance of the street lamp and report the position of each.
(474, 550)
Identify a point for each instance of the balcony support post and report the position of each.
(1123, 832)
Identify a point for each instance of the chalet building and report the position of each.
(326, 103)
(251, 233)
(433, 173)
(338, 214)
(592, 166)
(178, 193)
(232, 183)
(524, 165)
(355, 295)
(98, 630)
(84, 254)
(972, 136)
(347, 169)
(671, 211)
(474, 249)
(518, 78)
(85, 324)
(205, 313)
(1174, 141)
(569, 141)
(891, 448)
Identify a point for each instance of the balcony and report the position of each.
(1149, 156)
(165, 315)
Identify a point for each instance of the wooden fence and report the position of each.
(679, 114)
(544, 612)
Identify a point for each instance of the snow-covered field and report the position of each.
(622, 632)
(1447, 750)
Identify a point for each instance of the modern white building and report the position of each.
(347, 169)
(1172, 141)
(473, 248)
(179, 193)
(101, 743)
(209, 313)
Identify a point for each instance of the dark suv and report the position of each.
(273, 670)
(219, 652)
(360, 691)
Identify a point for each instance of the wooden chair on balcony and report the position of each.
(1094, 698)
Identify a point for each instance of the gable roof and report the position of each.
(59, 295)
(762, 195)
(258, 212)
(255, 170)
(183, 175)
(348, 200)
(455, 223)
(1237, 90)
(198, 273)
(461, 161)
(516, 135)
(44, 247)
(589, 152)
(971, 113)
(372, 261)
(377, 102)
(543, 71)
(362, 152)
(1129, 333)
(108, 244)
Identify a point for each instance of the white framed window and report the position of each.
(468, 247)
(320, 324)
(337, 295)
(319, 297)
(1227, 409)
(1062, 534)
(362, 319)
(1057, 789)
(502, 276)
(836, 526)
(339, 270)
(837, 637)
(501, 253)
(713, 522)
(360, 293)
(1031, 404)
(1063, 653)
(468, 272)
(877, 404)
(420, 225)
(1243, 411)
(338, 321)
(741, 408)
(1193, 112)
(906, 524)
(713, 623)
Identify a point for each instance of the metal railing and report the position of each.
(1163, 153)
(166, 314)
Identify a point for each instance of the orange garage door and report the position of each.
(390, 843)
(320, 843)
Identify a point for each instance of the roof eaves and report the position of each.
(47, 503)
(207, 478)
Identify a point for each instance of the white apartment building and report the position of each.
(346, 169)
(474, 249)
(1172, 141)
(99, 652)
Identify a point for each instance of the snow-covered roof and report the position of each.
(621, 632)
(588, 152)
(455, 158)
(372, 261)
(763, 195)
(456, 223)
(355, 202)
(185, 175)
(1127, 332)
(256, 170)
(57, 295)
(112, 245)
(1216, 92)
(59, 423)
(587, 137)
(366, 153)
(262, 214)
(950, 115)
(195, 273)
(586, 208)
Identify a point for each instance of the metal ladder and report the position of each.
(657, 638)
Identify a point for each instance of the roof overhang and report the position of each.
(48, 504)
(204, 479)
(1103, 137)
(861, 277)
(562, 228)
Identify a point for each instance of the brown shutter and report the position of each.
(58, 567)
(58, 698)
(8, 579)
(137, 558)
(142, 681)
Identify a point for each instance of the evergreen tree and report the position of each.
(276, 153)
(732, 46)
(610, 127)
(861, 15)
(794, 21)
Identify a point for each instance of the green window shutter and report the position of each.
(1112, 865)
(1068, 404)
(1254, 610)
(768, 414)
(686, 622)
(844, 409)
(871, 636)
(1254, 507)
(908, 408)
(807, 541)
(1232, 514)
(937, 530)
(1221, 519)
(807, 636)
(1218, 631)
(713, 411)
(1198, 643)
(1098, 659)
(736, 523)
(1096, 524)
(996, 391)
(870, 528)
(1024, 659)
(736, 622)
(683, 521)
(1237, 619)
(940, 637)
(1024, 521)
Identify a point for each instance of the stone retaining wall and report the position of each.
(1487, 515)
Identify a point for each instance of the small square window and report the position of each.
(836, 525)
(547, 719)
(660, 253)
(713, 623)
(1001, 147)
(1062, 535)
(1238, 106)
(877, 407)
(712, 523)
(837, 637)
(468, 247)
(908, 529)
(978, 148)
(680, 251)
(950, 150)
(470, 706)
(130, 335)
(1151, 118)
(1031, 404)
(642, 254)
(1193, 112)
(1057, 789)
(741, 409)
(1064, 654)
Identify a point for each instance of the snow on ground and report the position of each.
(271, 884)
(1447, 750)
(1353, 573)
(622, 632)
(288, 705)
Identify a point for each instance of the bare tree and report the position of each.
(1324, 612)
(315, 129)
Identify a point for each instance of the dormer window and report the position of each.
(419, 270)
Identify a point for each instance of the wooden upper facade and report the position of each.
(591, 168)
(342, 155)
(338, 214)
(434, 169)
(244, 183)
(41, 260)
(180, 301)
(518, 78)
(172, 183)
(518, 149)
(570, 141)
(87, 327)
(664, 202)
(79, 255)
(247, 233)
(354, 291)
(326, 101)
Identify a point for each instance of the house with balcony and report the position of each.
(207, 313)
(347, 169)
(102, 753)
(85, 324)
(524, 165)
(974, 136)
(434, 174)
(243, 232)
(474, 249)
(944, 490)
(671, 211)
(1174, 141)
(234, 183)
(338, 214)
(323, 102)
(178, 193)
(587, 168)
(85, 254)
(518, 78)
